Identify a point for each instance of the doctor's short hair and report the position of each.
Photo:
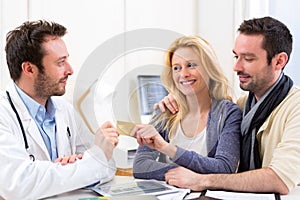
(24, 44)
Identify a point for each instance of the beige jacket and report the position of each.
(279, 139)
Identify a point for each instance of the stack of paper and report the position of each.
(226, 195)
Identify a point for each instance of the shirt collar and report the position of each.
(33, 107)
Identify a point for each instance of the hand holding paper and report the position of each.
(106, 137)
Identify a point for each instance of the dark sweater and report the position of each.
(222, 143)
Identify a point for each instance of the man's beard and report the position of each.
(44, 87)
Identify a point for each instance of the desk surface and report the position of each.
(124, 172)
(84, 193)
(294, 194)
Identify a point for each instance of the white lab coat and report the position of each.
(22, 178)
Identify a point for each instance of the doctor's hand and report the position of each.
(69, 159)
(106, 137)
(148, 135)
(168, 102)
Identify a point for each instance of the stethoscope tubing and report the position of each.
(20, 123)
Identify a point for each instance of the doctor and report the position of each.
(40, 132)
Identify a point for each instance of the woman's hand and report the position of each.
(168, 102)
(148, 135)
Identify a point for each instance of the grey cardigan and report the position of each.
(222, 142)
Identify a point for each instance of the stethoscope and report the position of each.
(31, 156)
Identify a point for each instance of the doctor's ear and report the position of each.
(28, 68)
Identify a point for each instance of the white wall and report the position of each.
(287, 11)
(217, 24)
(10, 17)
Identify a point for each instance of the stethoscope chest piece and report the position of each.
(32, 158)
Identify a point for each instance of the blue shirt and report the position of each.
(44, 119)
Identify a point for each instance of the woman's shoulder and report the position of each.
(224, 103)
(226, 107)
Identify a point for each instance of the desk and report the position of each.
(293, 195)
(84, 193)
(124, 172)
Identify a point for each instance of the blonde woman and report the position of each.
(204, 135)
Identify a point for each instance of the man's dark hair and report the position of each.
(277, 37)
(25, 44)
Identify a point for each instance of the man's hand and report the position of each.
(258, 180)
(69, 159)
(185, 178)
(107, 138)
(169, 102)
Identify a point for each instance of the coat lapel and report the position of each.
(62, 137)
(32, 132)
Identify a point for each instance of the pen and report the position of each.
(69, 137)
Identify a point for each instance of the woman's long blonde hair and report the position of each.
(218, 83)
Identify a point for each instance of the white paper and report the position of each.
(224, 195)
(142, 187)
(179, 195)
